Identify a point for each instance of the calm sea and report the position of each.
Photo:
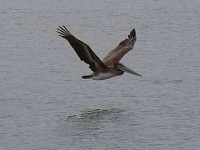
(46, 105)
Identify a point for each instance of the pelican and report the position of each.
(110, 65)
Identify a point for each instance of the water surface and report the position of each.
(45, 104)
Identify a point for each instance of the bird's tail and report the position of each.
(87, 76)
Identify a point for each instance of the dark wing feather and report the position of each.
(124, 46)
(84, 52)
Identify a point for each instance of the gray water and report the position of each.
(46, 105)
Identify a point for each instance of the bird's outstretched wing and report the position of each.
(115, 55)
(84, 52)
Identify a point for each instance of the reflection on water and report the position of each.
(92, 118)
(99, 113)
(92, 125)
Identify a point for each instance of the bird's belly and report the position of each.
(103, 76)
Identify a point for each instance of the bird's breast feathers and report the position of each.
(102, 76)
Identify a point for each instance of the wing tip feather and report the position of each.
(132, 34)
(63, 31)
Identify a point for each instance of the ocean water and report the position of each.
(46, 105)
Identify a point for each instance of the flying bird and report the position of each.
(110, 65)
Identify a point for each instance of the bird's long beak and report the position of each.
(133, 72)
(120, 66)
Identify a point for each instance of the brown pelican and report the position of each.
(110, 65)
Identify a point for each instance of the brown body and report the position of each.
(110, 65)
